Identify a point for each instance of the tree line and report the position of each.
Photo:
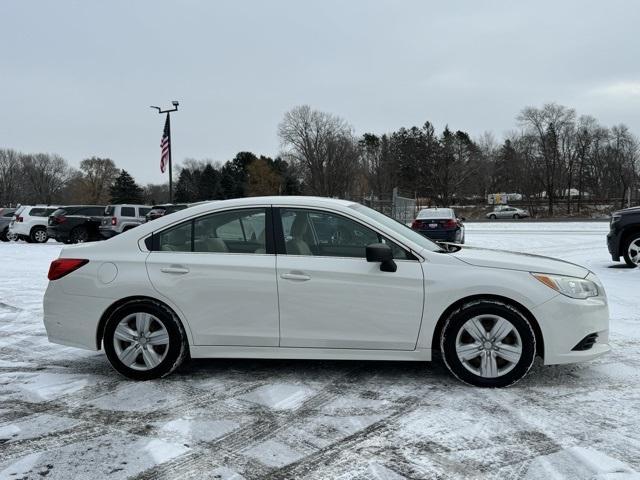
(553, 156)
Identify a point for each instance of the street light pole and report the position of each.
(168, 112)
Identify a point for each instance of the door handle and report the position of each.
(175, 269)
(295, 276)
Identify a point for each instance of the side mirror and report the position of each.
(381, 252)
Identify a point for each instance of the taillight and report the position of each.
(60, 219)
(64, 266)
(114, 221)
(19, 219)
(451, 223)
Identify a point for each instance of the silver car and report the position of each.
(505, 211)
(120, 218)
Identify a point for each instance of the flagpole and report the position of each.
(168, 111)
(170, 146)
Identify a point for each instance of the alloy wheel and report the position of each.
(40, 236)
(634, 251)
(141, 341)
(488, 346)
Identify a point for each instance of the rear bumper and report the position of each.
(72, 320)
(57, 234)
(19, 229)
(565, 322)
(107, 232)
(453, 236)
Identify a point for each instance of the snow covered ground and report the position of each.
(64, 413)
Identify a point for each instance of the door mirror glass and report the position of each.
(380, 252)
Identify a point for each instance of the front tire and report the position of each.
(492, 217)
(144, 340)
(516, 216)
(488, 344)
(631, 250)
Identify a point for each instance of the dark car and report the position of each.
(623, 238)
(76, 223)
(439, 224)
(6, 214)
(158, 211)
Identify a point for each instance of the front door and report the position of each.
(219, 269)
(331, 297)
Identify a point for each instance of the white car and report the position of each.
(505, 211)
(316, 278)
(30, 223)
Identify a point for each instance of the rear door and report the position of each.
(219, 269)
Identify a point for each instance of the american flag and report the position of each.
(165, 146)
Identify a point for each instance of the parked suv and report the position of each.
(6, 215)
(158, 211)
(505, 211)
(120, 218)
(30, 223)
(623, 239)
(76, 223)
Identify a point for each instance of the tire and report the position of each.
(38, 235)
(12, 237)
(631, 250)
(485, 365)
(492, 217)
(168, 356)
(516, 216)
(79, 235)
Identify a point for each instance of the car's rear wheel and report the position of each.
(39, 235)
(144, 340)
(488, 344)
(632, 250)
(492, 216)
(79, 235)
(516, 216)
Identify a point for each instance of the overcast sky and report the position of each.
(77, 78)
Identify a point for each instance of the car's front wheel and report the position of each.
(144, 340)
(488, 343)
(632, 250)
(516, 216)
(492, 217)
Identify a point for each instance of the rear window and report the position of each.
(59, 212)
(436, 213)
(109, 211)
(38, 212)
(127, 211)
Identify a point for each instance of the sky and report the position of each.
(77, 78)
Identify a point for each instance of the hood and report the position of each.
(627, 210)
(484, 257)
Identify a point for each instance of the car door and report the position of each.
(219, 269)
(331, 297)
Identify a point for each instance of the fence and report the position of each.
(401, 208)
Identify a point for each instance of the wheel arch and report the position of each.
(627, 233)
(123, 301)
(437, 332)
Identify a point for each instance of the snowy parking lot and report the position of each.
(64, 413)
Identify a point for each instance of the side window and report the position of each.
(237, 231)
(309, 232)
(127, 212)
(176, 239)
(143, 211)
(37, 212)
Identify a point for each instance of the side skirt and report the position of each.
(308, 353)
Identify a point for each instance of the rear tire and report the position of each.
(38, 235)
(488, 343)
(141, 354)
(492, 217)
(79, 235)
(516, 216)
(631, 250)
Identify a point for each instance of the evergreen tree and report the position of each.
(125, 189)
(209, 184)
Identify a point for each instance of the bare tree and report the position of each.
(322, 145)
(99, 175)
(10, 177)
(46, 176)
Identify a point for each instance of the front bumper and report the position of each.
(565, 322)
(613, 242)
(72, 320)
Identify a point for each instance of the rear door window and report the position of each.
(38, 212)
(127, 212)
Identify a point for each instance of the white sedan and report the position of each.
(316, 278)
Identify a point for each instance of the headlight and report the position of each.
(570, 286)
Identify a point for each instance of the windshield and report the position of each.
(398, 227)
